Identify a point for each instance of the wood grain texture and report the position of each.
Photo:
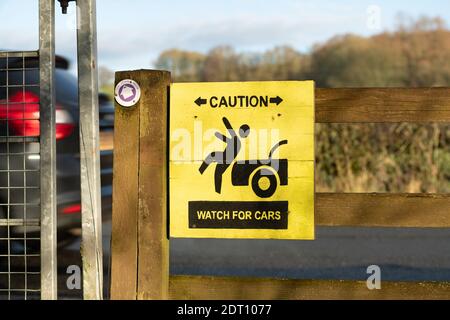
(215, 288)
(383, 210)
(153, 260)
(125, 199)
(347, 105)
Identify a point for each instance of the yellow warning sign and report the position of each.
(242, 160)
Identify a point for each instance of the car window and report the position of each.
(66, 84)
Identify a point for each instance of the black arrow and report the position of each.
(276, 100)
(200, 101)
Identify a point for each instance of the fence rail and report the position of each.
(412, 210)
(228, 288)
(350, 105)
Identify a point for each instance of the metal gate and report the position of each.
(28, 221)
(19, 176)
(28, 168)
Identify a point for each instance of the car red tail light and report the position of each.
(74, 208)
(22, 114)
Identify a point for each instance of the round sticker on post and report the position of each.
(127, 93)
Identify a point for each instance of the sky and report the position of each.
(131, 34)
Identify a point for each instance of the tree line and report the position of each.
(353, 157)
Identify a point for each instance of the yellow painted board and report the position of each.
(242, 160)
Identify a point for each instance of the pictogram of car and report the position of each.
(264, 175)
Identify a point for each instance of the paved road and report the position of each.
(341, 253)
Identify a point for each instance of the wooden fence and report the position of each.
(140, 248)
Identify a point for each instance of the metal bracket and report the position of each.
(64, 5)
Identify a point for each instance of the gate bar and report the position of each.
(47, 149)
(91, 212)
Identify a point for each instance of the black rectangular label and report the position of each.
(238, 214)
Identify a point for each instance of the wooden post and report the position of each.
(153, 259)
(140, 247)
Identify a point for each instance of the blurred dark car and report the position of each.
(19, 146)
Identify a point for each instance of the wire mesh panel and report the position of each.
(19, 176)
